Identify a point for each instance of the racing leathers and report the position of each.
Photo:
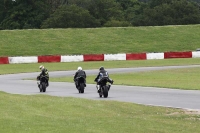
(45, 73)
(102, 73)
(78, 74)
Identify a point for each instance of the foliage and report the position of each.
(54, 4)
(30, 14)
(2, 11)
(105, 10)
(70, 17)
(117, 23)
(22, 14)
(168, 12)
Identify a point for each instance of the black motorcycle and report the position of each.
(104, 87)
(42, 83)
(80, 84)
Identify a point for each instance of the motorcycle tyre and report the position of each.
(100, 93)
(82, 87)
(44, 87)
(105, 91)
(40, 88)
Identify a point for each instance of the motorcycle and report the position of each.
(80, 84)
(42, 83)
(104, 87)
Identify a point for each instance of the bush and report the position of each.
(70, 17)
(117, 23)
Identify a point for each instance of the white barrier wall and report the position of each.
(196, 54)
(109, 57)
(72, 58)
(19, 59)
(151, 56)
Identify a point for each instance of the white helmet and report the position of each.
(79, 68)
(41, 67)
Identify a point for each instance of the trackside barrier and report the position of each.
(136, 56)
(19, 59)
(53, 58)
(110, 57)
(178, 55)
(196, 54)
(152, 56)
(93, 57)
(4, 60)
(72, 58)
(98, 57)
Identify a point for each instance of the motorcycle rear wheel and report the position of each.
(44, 87)
(82, 88)
(105, 91)
(40, 87)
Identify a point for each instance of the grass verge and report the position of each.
(185, 78)
(40, 113)
(99, 40)
(22, 68)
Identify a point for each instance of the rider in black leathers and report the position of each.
(79, 73)
(102, 73)
(44, 72)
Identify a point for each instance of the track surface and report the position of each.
(186, 99)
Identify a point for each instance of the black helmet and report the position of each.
(101, 68)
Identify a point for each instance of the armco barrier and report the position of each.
(99, 57)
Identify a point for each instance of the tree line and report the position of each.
(37, 14)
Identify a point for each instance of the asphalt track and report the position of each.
(185, 99)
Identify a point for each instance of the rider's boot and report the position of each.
(85, 83)
(111, 81)
(109, 85)
(38, 84)
(98, 88)
(47, 83)
(76, 85)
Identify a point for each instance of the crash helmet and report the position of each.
(79, 68)
(41, 67)
(101, 68)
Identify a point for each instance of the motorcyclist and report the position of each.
(102, 73)
(45, 73)
(79, 72)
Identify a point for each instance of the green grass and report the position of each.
(31, 114)
(185, 78)
(46, 114)
(173, 78)
(99, 40)
(22, 68)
